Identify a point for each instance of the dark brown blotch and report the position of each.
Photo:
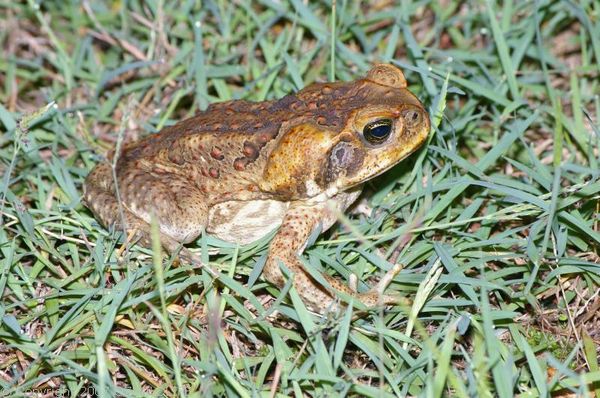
(176, 157)
(214, 172)
(250, 150)
(217, 153)
(240, 164)
(264, 138)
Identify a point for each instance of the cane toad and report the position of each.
(241, 169)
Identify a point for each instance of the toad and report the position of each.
(241, 170)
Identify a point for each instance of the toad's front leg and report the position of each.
(291, 239)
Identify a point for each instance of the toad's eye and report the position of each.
(377, 131)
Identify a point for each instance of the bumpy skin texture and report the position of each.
(241, 169)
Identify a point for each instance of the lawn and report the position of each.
(495, 220)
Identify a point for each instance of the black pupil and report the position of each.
(378, 131)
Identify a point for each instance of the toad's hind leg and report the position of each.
(169, 200)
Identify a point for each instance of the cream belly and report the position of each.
(245, 222)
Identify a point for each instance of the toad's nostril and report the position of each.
(412, 117)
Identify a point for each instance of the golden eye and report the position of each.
(377, 131)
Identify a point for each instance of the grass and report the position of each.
(496, 220)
